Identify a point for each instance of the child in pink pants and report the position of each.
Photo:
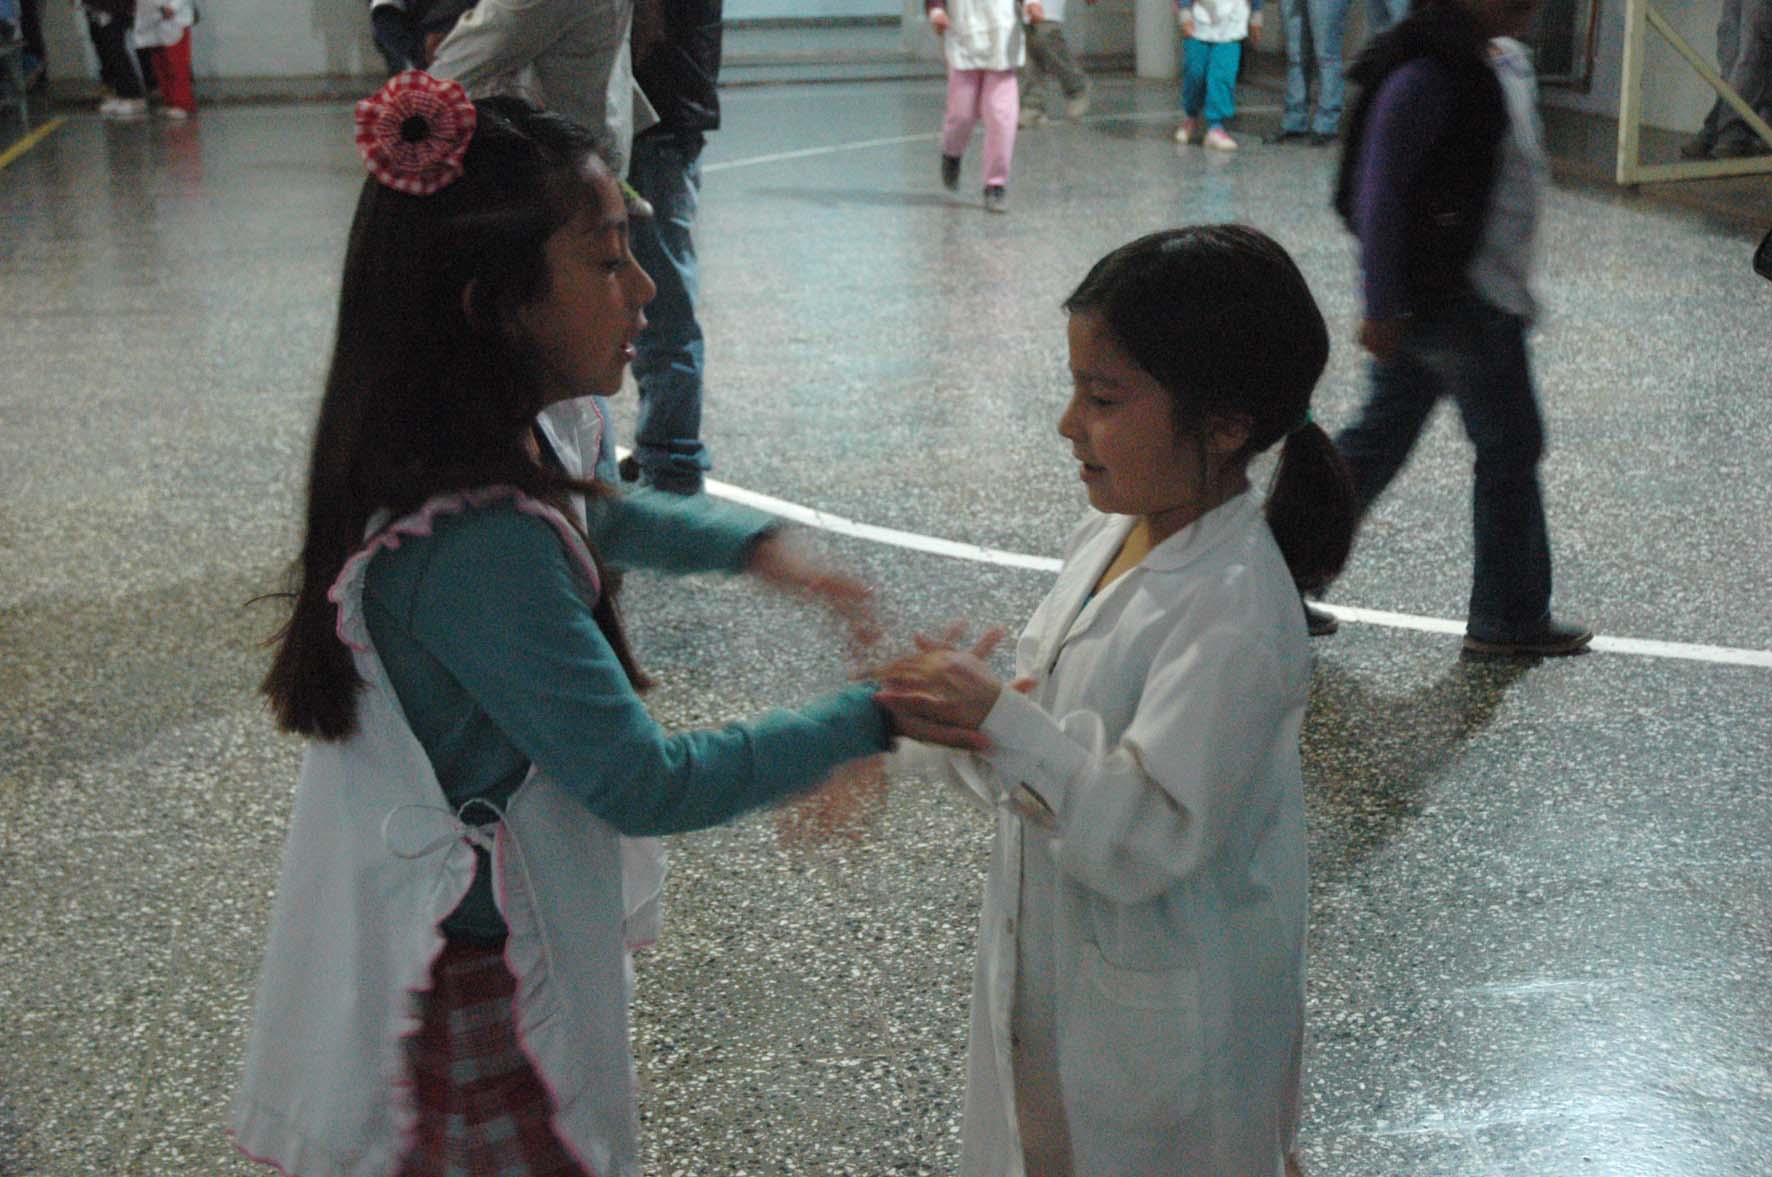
(984, 46)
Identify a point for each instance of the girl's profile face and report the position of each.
(583, 328)
(1121, 426)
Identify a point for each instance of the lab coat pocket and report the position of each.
(1134, 1051)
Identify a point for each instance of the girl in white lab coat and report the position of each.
(1138, 1005)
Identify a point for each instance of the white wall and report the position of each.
(1103, 27)
(312, 38)
(1673, 95)
(244, 39)
(808, 9)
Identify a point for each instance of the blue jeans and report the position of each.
(1475, 353)
(1313, 33)
(1382, 14)
(1209, 79)
(670, 352)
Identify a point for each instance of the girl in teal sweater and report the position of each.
(480, 763)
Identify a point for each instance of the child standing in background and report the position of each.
(108, 23)
(1050, 64)
(1212, 33)
(984, 45)
(163, 30)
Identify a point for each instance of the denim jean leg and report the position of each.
(1511, 583)
(1328, 23)
(1294, 16)
(1751, 76)
(1403, 392)
(670, 351)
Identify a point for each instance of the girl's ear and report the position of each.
(1227, 435)
(488, 321)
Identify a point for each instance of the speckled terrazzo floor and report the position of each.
(1543, 895)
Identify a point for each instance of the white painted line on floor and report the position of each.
(1144, 116)
(890, 536)
(893, 537)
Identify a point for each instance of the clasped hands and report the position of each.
(942, 694)
(939, 694)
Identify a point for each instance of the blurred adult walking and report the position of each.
(1442, 180)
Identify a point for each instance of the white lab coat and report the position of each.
(1142, 938)
(161, 24)
(1221, 21)
(985, 34)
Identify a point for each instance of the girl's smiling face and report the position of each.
(1121, 426)
(583, 328)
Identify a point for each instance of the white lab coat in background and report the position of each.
(1139, 986)
(161, 24)
(1222, 21)
(985, 34)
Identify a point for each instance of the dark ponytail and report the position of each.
(1311, 507)
(1222, 318)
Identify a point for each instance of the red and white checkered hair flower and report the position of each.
(413, 132)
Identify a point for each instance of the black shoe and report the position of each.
(1739, 149)
(950, 172)
(629, 469)
(1320, 622)
(1281, 138)
(1553, 640)
(1321, 138)
(996, 199)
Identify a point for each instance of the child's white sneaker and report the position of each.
(177, 114)
(1185, 132)
(1219, 140)
(123, 108)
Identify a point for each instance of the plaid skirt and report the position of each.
(482, 1109)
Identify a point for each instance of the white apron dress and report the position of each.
(375, 860)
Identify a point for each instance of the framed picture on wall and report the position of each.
(1568, 31)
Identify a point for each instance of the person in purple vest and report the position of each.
(1441, 181)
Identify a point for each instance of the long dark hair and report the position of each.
(1221, 317)
(432, 387)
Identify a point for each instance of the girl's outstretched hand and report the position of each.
(941, 694)
(785, 562)
(842, 808)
